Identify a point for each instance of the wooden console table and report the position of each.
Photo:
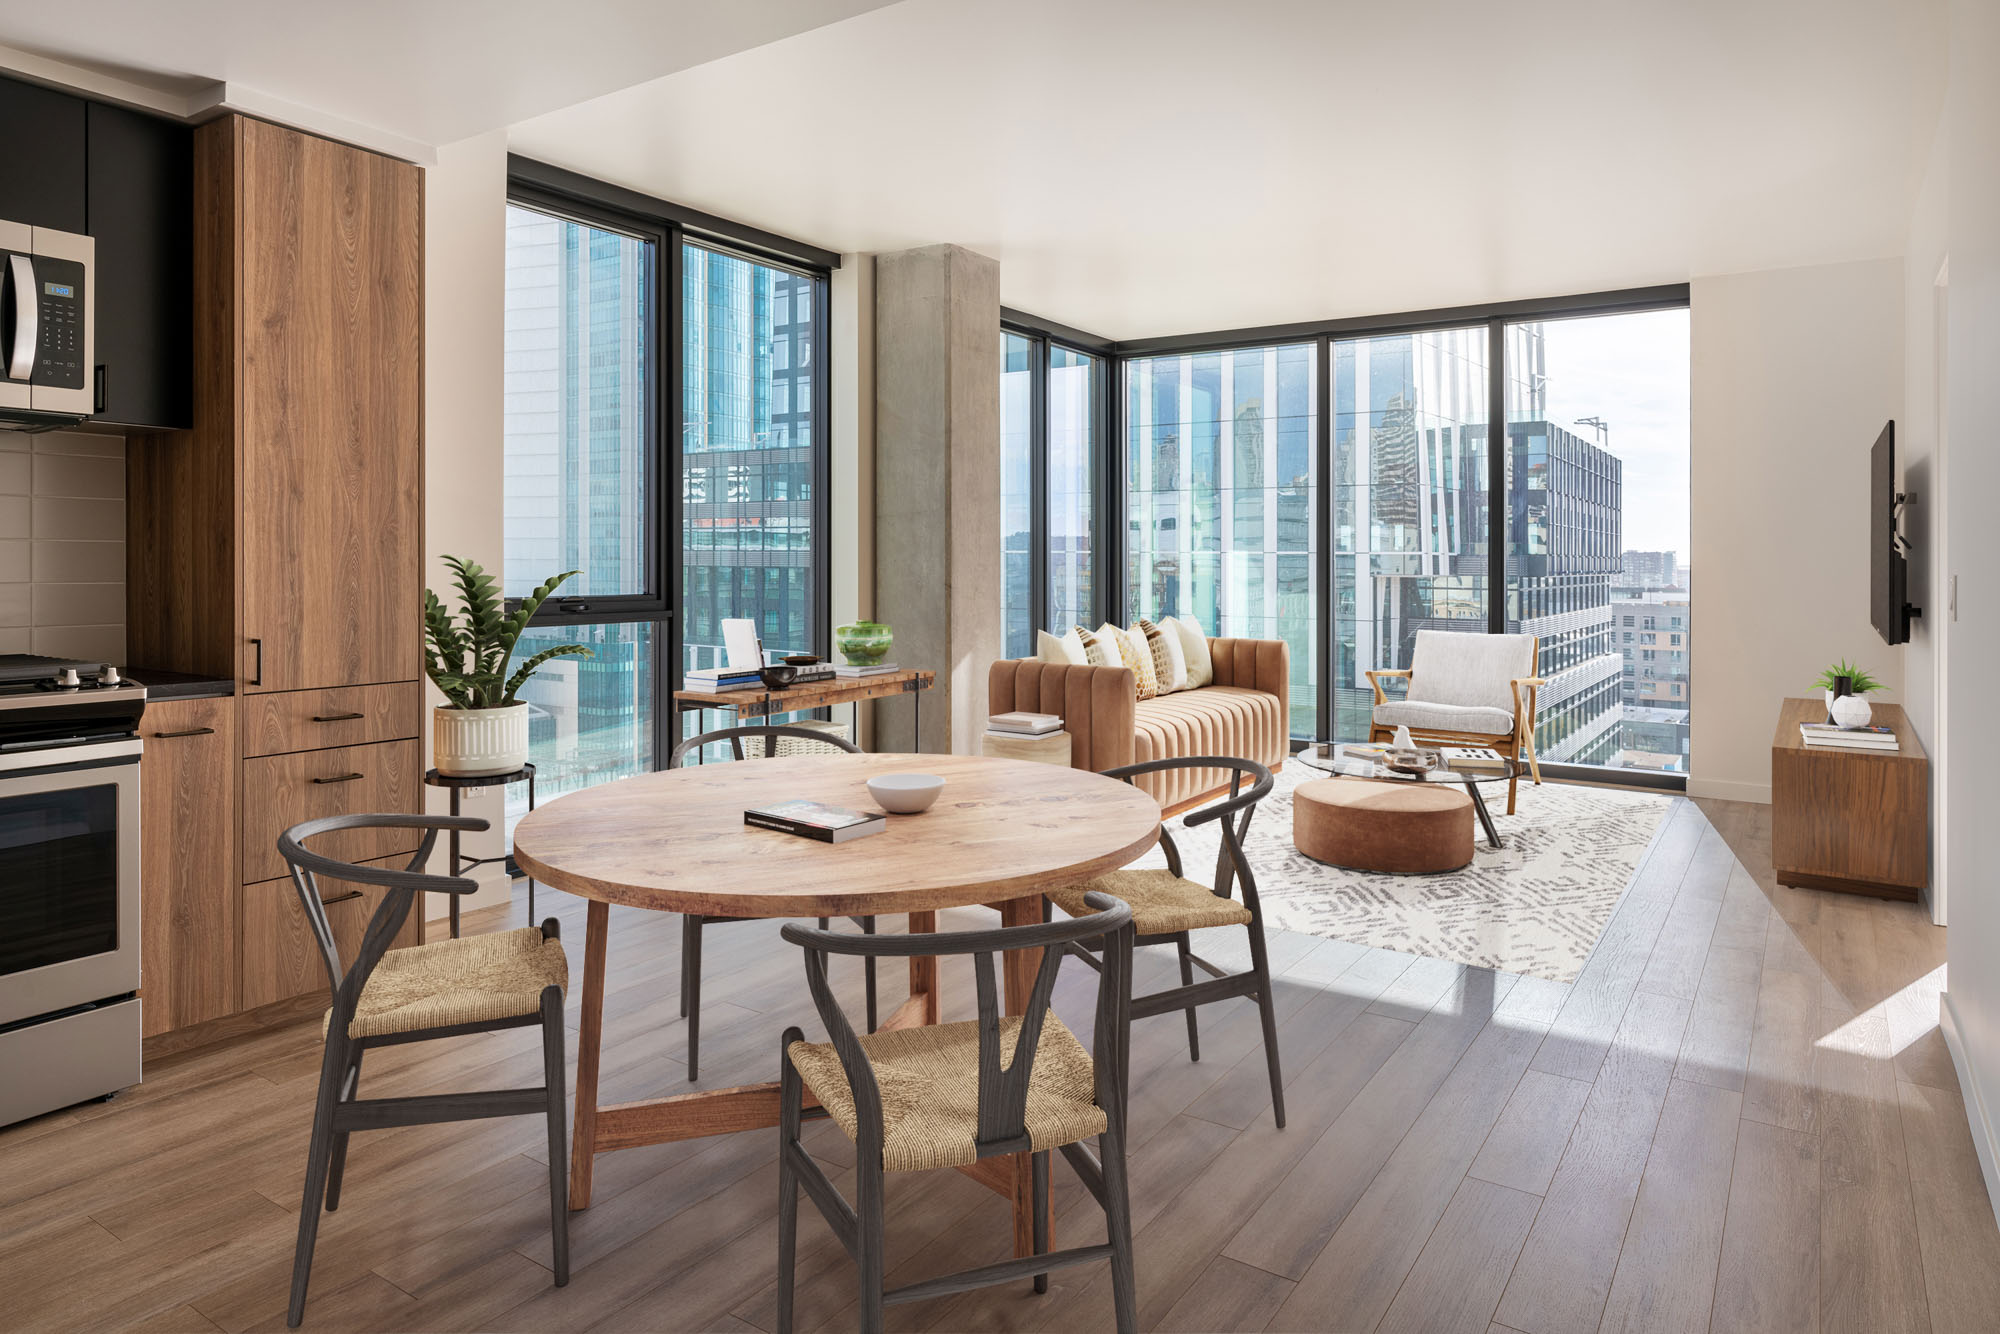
(762, 703)
(1850, 820)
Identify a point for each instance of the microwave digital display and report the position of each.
(58, 289)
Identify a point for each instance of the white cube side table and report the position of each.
(1048, 748)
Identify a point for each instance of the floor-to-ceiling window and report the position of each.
(1052, 406)
(1598, 545)
(1409, 503)
(1221, 488)
(1575, 531)
(666, 435)
(750, 544)
(580, 489)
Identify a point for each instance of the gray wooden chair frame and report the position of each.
(1003, 1098)
(692, 923)
(1231, 868)
(340, 1109)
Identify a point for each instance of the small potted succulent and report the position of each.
(1845, 685)
(483, 729)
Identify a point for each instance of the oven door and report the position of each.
(69, 877)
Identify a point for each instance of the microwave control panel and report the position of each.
(59, 350)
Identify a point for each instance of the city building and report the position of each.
(1654, 629)
(1650, 569)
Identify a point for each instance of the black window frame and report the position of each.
(670, 227)
(1106, 552)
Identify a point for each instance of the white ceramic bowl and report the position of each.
(905, 794)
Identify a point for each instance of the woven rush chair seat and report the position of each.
(929, 1080)
(1162, 903)
(471, 980)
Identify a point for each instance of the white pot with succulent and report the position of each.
(483, 729)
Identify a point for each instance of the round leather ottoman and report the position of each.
(1369, 826)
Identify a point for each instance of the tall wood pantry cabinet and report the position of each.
(280, 541)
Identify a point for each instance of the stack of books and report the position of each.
(1473, 759)
(1024, 724)
(1849, 738)
(852, 669)
(719, 679)
(813, 673)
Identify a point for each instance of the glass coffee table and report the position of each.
(1366, 762)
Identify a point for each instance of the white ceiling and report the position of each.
(427, 72)
(1143, 167)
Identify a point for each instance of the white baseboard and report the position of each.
(1977, 1115)
(1727, 790)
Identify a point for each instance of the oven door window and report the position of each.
(58, 876)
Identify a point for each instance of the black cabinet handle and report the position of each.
(340, 898)
(257, 677)
(337, 717)
(338, 778)
(102, 398)
(575, 606)
(192, 731)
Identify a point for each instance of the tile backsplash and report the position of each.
(62, 544)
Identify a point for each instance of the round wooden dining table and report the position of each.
(1002, 833)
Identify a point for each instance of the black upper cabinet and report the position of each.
(41, 157)
(141, 213)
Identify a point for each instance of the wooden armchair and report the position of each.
(1467, 690)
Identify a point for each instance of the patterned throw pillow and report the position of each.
(1169, 665)
(1129, 656)
(1144, 675)
(1194, 648)
(1093, 651)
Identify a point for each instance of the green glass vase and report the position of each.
(863, 643)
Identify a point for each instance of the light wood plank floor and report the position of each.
(1741, 1116)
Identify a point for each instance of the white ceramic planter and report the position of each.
(467, 743)
(1848, 710)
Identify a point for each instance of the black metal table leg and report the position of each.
(531, 879)
(917, 721)
(454, 865)
(1485, 817)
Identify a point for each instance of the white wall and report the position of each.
(465, 202)
(1972, 539)
(1793, 373)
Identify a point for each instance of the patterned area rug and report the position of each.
(1536, 906)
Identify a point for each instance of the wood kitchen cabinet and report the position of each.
(280, 540)
(331, 321)
(187, 875)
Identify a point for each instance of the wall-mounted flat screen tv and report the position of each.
(1888, 568)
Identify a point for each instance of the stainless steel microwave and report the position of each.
(48, 325)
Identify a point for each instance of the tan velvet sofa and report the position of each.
(1244, 713)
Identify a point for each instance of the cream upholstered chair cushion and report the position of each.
(1466, 679)
(1162, 903)
(1443, 717)
(472, 980)
(929, 1081)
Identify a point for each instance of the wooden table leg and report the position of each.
(1018, 968)
(924, 971)
(589, 1038)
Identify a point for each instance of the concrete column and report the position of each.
(937, 485)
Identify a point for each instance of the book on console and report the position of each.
(723, 687)
(815, 819)
(1849, 738)
(855, 669)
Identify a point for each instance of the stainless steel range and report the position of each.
(69, 883)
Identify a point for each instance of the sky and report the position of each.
(1631, 370)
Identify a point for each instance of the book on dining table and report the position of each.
(815, 819)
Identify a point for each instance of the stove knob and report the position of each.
(68, 677)
(107, 675)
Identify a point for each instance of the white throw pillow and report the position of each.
(1059, 649)
(1194, 648)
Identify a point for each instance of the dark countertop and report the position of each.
(178, 685)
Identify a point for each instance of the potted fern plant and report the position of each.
(483, 728)
(1845, 685)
